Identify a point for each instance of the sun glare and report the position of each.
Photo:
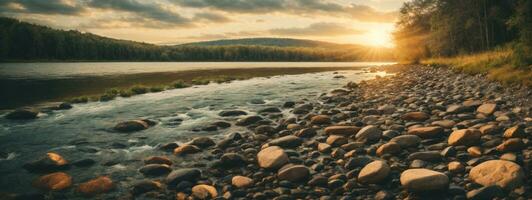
(380, 37)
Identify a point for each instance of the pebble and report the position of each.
(464, 137)
(423, 180)
(272, 157)
(53, 182)
(374, 172)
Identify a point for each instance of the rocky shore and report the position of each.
(423, 133)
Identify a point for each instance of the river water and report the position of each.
(85, 130)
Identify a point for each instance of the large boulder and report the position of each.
(272, 157)
(293, 173)
(465, 137)
(374, 172)
(53, 182)
(185, 174)
(505, 174)
(22, 114)
(427, 132)
(96, 186)
(424, 180)
(369, 134)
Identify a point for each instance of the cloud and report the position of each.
(298, 7)
(211, 17)
(148, 10)
(63, 7)
(317, 29)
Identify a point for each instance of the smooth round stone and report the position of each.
(505, 174)
(422, 180)
(389, 148)
(369, 134)
(455, 167)
(96, 186)
(407, 140)
(293, 173)
(374, 172)
(465, 137)
(241, 181)
(427, 132)
(320, 119)
(53, 182)
(203, 191)
(272, 157)
(415, 116)
(341, 130)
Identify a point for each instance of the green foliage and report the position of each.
(156, 88)
(179, 84)
(139, 89)
(200, 81)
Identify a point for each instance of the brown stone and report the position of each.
(336, 140)
(241, 181)
(324, 147)
(466, 137)
(203, 191)
(342, 130)
(474, 151)
(96, 186)
(415, 116)
(374, 172)
(514, 132)
(423, 180)
(456, 167)
(186, 149)
(512, 144)
(444, 123)
(389, 148)
(320, 119)
(272, 157)
(487, 108)
(53, 182)
(427, 132)
(158, 160)
(505, 174)
(293, 173)
(489, 129)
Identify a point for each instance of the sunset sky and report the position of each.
(367, 22)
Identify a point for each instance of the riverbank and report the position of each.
(421, 133)
(16, 93)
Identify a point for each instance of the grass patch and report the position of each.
(179, 84)
(139, 89)
(498, 65)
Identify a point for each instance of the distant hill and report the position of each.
(276, 42)
(22, 41)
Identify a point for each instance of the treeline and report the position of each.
(440, 28)
(20, 41)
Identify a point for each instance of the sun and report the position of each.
(380, 36)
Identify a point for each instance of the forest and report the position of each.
(446, 28)
(21, 41)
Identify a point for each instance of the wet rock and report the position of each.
(144, 186)
(257, 101)
(202, 142)
(474, 151)
(158, 160)
(131, 126)
(406, 141)
(427, 132)
(203, 191)
(50, 162)
(53, 182)
(489, 129)
(184, 174)
(155, 169)
(102, 184)
(488, 192)
(186, 149)
(265, 129)
(289, 104)
(241, 181)
(318, 181)
(464, 137)
(389, 148)
(222, 124)
(84, 162)
(22, 114)
(336, 140)
(487, 108)
(246, 121)
(512, 144)
(270, 110)
(169, 146)
(302, 109)
(415, 116)
(503, 173)
(423, 180)
(374, 172)
(289, 141)
(231, 113)
(369, 134)
(455, 108)
(229, 160)
(293, 173)
(272, 157)
(448, 152)
(342, 130)
(514, 132)
(383, 195)
(320, 119)
(387, 109)
(306, 132)
(324, 147)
